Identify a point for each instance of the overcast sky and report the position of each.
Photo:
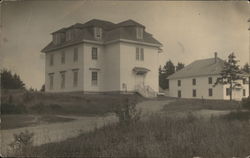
(188, 30)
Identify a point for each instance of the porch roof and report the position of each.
(140, 70)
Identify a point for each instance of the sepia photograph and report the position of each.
(122, 78)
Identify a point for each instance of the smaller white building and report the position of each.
(197, 80)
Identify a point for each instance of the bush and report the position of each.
(127, 112)
(22, 143)
(246, 103)
(7, 108)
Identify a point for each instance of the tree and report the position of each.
(10, 81)
(246, 68)
(167, 70)
(179, 66)
(230, 74)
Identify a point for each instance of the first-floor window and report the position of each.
(75, 78)
(179, 94)
(228, 91)
(62, 80)
(51, 80)
(244, 92)
(210, 92)
(94, 78)
(194, 92)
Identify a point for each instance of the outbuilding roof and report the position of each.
(203, 67)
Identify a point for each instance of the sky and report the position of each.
(188, 30)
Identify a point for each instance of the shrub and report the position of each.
(246, 103)
(7, 108)
(127, 112)
(22, 142)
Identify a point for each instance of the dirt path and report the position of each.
(55, 132)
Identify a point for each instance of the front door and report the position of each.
(139, 79)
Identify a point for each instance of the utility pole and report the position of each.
(249, 60)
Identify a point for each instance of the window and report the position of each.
(75, 78)
(194, 92)
(142, 54)
(179, 83)
(51, 60)
(244, 92)
(94, 53)
(244, 81)
(75, 57)
(98, 32)
(139, 54)
(63, 79)
(94, 78)
(228, 92)
(69, 35)
(63, 57)
(51, 80)
(210, 80)
(210, 92)
(179, 94)
(139, 33)
(194, 81)
(56, 39)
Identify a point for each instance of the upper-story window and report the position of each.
(75, 55)
(139, 33)
(179, 83)
(210, 80)
(63, 57)
(51, 60)
(98, 32)
(139, 54)
(94, 53)
(69, 35)
(56, 38)
(194, 81)
(244, 81)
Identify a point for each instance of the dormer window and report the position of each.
(56, 39)
(139, 33)
(98, 33)
(69, 35)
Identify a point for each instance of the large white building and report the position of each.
(197, 80)
(100, 56)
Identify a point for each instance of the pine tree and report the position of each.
(179, 66)
(9, 81)
(230, 74)
(167, 70)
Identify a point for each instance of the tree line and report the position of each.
(168, 69)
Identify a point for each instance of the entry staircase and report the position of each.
(146, 91)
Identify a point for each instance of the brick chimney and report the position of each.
(215, 57)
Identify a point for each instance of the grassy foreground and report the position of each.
(157, 137)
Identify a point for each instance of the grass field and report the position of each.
(158, 137)
(17, 121)
(62, 103)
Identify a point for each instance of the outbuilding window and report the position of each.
(194, 92)
(179, 83)
(210, 92)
